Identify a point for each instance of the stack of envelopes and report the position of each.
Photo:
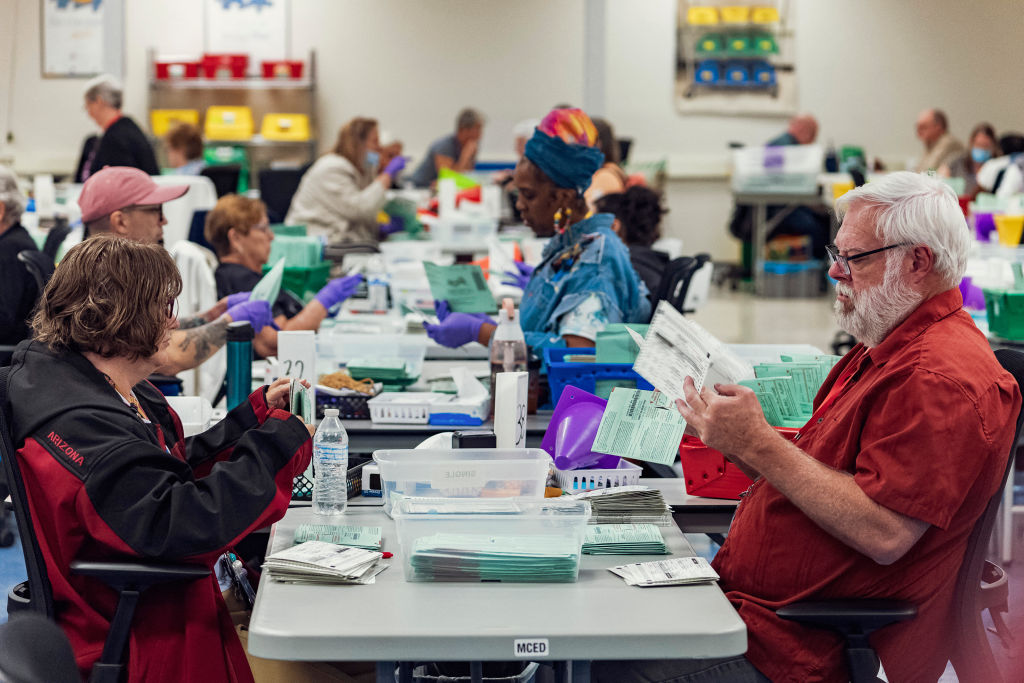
(624, 539)
(366, 537)
(481, 557)
(627, 504)
(322, 562)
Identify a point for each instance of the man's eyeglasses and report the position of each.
(844, 261)
(158, 210)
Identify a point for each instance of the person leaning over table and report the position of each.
(237, 228)
(125, 202)
(585, 280)
(456, 151)
(18, 289)
(878, 493)
(341, 194)
(110, 476)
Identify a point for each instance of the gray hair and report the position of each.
(468, 118)
(917, 208)
(105, 88)
(10, 197)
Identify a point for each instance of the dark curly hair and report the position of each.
(639, 211)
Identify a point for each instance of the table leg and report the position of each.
(476, 672)
(385, 672)
(760, 238)
(580, 671)
(562, 672)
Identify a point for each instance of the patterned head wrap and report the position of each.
(562, 147)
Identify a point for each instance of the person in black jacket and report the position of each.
(123, 143)
(638, 213)
(18, 290)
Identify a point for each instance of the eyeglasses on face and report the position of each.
(158, 210)
(844, 261)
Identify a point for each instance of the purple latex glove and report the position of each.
(520, 279)
(455, 329)
(443, 310)
(337, 290)
(396, 224)
(239, 298)
(258, 314)
(395, 166)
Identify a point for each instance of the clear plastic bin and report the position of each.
(790, 169)
(512, 540)
(336, 347)
(463, 473)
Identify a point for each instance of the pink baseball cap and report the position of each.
(117, 187)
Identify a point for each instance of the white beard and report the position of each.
(871, 315)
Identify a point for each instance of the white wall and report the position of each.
(865, 68)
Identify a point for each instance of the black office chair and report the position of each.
(277, 187)
(39, 266)
(225, 178)
(54, 238)
(980, 585)
(676, 280)
(33, 649)
(197, 230)
(128, 578)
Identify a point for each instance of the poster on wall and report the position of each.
(81, 38)
(735, 59)
(257, 28)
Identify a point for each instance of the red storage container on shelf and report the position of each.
(282, 68)
(176, 68)
(708, 474)
(225, 65)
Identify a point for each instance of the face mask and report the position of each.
(372, 159)
(980, 155)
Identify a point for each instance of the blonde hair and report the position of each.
(352, 139)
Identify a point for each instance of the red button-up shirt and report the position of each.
(924, 426)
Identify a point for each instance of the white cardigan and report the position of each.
(338, 200)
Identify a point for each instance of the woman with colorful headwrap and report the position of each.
(585, 280)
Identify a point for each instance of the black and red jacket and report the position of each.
(104, 485)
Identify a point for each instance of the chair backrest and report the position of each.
(39, 266)
(966, 596)
(197, 230)
(40, 591)
(54, 238)
(676, 280)
(225, 178)
(277, 187)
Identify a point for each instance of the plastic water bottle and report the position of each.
(330, 462)
(508, 346)
(377, 285)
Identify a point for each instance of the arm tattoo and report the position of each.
(199, 343)
(189, 323)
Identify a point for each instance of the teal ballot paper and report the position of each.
(269, 285)
(367, 537)
(480, 557)
(624, 539)
(643, 425)
(300, 401)
(463, 286)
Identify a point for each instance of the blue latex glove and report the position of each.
(395, 166)
(239, 298)
(337, 290)
(258, 314)
(455, 329)
(520, 279)
(396, 224)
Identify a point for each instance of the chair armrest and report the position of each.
(849, 616)
(138, 574)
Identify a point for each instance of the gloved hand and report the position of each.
(455, 329)
(337, 290)
(239, 298)
(395, 166)
(258, 314)
(443, 310)
(521, 278)
(396, 224)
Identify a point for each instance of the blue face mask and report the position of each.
(980, 155)
(372, 159)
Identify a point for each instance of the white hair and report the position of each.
(10, 197)
(106, 88)
(917, 208)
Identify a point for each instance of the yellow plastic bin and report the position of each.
(162, 120)
(735, 14)
(765, 15)
(1010, 229)
(229, 123)
(702, 16)
(841, 188)
(289, 127)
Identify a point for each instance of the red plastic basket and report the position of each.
(225, 65)
(708, 474)
(282, 68)
(176, 69)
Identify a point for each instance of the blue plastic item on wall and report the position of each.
(737, 73)
(763, 73)
(708, 71)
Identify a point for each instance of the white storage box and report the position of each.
(335, 347)
(574, 481)
(403, 407)
(507, 540)
(195, 413)
(790, 169)
(464, 227)
(462, 473)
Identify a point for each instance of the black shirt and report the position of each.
(18, 291)
(124, 144)
(233, 278)
(649, 264)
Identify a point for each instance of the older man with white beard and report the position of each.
(881, 488)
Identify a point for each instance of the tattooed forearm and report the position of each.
(191, 347)
(189, 323)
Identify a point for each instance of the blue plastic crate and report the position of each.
(562, 373)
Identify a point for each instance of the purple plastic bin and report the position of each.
(984, 226)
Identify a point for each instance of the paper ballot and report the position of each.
(676, 348)
(643, 425)
(365, 537)
(269, 285)
(462, 286)
(673, 572)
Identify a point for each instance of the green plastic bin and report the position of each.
(304, 281)
(1005, 310)
(280, 229)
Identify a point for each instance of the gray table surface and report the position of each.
(599, 617)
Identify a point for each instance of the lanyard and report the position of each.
(837, 390)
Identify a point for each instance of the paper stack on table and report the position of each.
(677, 571)
(366, 537)
(482, 557)
(322, 562)
(624, 539)
(627, 505)
(638, 424)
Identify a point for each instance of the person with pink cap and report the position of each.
(127, 202)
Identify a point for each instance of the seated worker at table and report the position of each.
(127, 203)
(185, 150)
(941, 149)
(109, 475)
(879, 492)
(237, 228)
(18, 289)
(610, 178)
(638, 213)
(341, 194)
(122, 143)
(585, 280)
(456, 151)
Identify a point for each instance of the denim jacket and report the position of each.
(602, 269)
